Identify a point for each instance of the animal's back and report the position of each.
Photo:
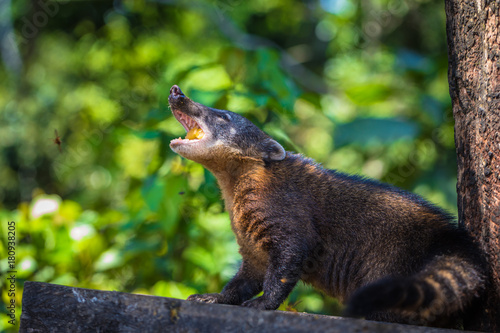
(356, 231)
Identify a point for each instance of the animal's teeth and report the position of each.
(187, 121)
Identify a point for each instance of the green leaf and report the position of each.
(367, 131)
(152, 192)
(208, 98)
(369, 93)
(137, 246)
(201, 258)
(172, 289)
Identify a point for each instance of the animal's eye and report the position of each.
(223, 116)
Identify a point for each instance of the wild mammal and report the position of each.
(387, 252)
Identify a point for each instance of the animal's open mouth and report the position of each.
(194, 131)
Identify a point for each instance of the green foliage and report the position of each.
(359, 86)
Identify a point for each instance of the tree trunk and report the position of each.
(474, 73)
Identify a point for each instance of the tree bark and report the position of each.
(474, 72)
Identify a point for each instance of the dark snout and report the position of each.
(176, 91)
(176, 97)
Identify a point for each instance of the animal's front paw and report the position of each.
(261, 303)
(206, 298)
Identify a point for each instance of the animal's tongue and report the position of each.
(195, 133)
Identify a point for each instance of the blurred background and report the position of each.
(360, 86)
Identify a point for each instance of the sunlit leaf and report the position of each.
(172, 289)
(369, 93)
(109, 259)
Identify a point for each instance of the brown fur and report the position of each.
(393, 255)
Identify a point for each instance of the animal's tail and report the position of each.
(444, 287)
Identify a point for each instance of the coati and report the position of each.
(389, 254)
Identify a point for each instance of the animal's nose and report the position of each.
(176, 91)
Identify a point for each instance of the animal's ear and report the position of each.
(271, 150)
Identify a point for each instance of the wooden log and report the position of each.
(54, 308)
